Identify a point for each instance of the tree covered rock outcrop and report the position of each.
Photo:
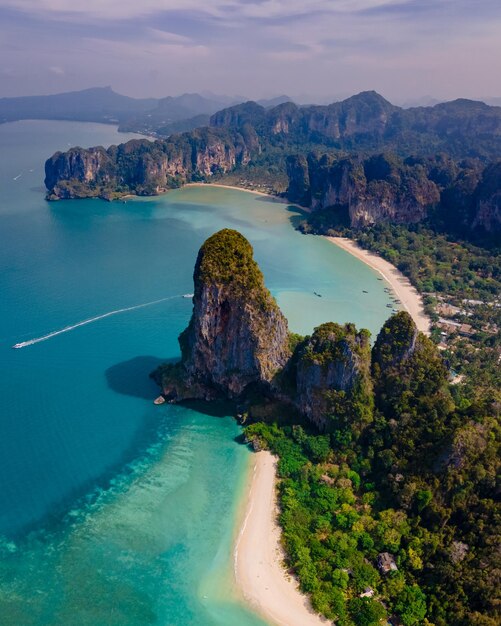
(462, 197)
(237, 336)
(143, 167)
(332, 377)
(411, 387)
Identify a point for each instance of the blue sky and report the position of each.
(317, 49)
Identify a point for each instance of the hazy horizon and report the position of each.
(322, 51)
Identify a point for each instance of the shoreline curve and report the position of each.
(258, 555)
(408, 295)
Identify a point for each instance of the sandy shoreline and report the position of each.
(259, 193)
(258, 555)
(408, 295)
(410, 298)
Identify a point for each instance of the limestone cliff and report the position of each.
(146, 168)
(487, 200)
(368, 122)
(462, 197)
(380, 188)
(237, 335)
(406, 364)
(332, 376)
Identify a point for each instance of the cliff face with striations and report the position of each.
(368, 122)
(487, 200)
(457, 196)
(145, 167)
(237, 335)
(332, 375)
(381, 188)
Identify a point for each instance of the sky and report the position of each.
(312, 50)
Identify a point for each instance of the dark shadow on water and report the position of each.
(132, 378)
(215, 408)
(240, 439)
(297, 215)
(56, 518)
(271, 199)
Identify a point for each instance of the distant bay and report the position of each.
(112, 510)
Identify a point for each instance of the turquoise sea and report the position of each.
(113, 510)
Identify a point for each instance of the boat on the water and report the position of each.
(188, 295)
(319, 295)
(363, 291)
(18, 345)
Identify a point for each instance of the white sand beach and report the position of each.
(259, 193)
(259, 569)
(408, 295)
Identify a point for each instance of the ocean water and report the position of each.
(113, 510)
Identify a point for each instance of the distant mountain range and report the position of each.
(160, 117)
(404, 165)
(173, 114)
(369, 122)
(99, 104)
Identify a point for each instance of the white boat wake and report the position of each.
(66, 329)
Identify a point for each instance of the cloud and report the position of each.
(111, 9)
(255, 47)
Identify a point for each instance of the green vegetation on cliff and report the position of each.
(228, 258)
(417, 481)
(330, 371)
(237, 337)
(388, 474)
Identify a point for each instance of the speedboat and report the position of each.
(188, 295)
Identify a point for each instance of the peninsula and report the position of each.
(370, 447)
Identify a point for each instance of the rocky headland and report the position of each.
(237, 346)
(361, 161)
(237, 337)
(144, 167)
(357, 191)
